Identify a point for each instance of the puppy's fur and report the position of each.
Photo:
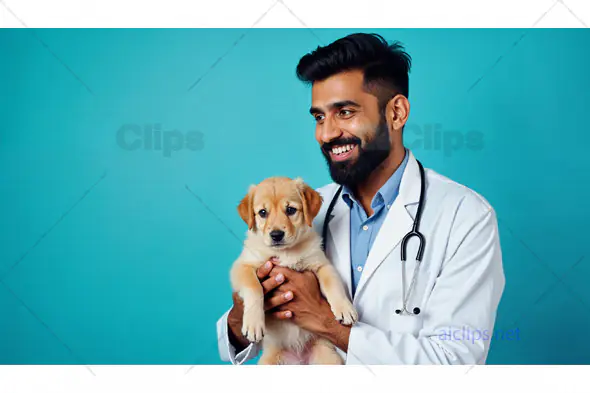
(287, 205)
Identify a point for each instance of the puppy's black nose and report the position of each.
(277, 235)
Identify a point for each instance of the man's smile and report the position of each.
(342, 152)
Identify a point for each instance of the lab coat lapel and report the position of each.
(397, 223)
(338, 247)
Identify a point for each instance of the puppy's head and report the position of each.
(280, 210)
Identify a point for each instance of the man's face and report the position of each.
(352, 134)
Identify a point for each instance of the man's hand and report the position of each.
(308, 307)
(290, 295)
(269, 283)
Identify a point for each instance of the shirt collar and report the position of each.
(387, 193)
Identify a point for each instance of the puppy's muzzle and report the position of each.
(277, 236)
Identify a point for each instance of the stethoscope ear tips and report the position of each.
(398, 311)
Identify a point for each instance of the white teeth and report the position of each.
(342, 149)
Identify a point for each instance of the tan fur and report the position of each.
(245, 208)
(323, 353)
(301, 251)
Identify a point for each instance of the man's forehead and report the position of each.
(340, 88)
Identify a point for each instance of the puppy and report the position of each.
(279, 212)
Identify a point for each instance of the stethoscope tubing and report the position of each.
(415, 232)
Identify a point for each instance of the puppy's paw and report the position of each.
(345, 312)
(253, 325)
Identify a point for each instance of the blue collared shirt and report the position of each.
(363, 229)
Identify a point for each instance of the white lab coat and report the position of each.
(458, 289)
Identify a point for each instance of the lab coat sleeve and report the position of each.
(227, 352)
(464, 299)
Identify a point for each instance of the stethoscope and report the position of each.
(408, 236)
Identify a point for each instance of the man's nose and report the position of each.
(277, 235)
(329, 131)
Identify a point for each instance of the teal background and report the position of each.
(107, 258)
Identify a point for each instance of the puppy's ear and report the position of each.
(311, 199)
(246, 208)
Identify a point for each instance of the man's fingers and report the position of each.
(273, 282)
(282, 314)
(264, 270)
(278, 300)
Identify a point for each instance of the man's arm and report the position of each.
(232, 345)
(234, 333)
(226, 340)
(334, 331)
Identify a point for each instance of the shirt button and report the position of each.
(365, 227)
(388, 206)
(359, 268)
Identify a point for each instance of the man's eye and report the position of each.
(291, 210)
(345, 112)
(318, 118)
(262, 213)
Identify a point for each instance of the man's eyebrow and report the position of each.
(335, 105)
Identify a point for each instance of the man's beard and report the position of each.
(370, 156)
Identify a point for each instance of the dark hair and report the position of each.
(385, 66)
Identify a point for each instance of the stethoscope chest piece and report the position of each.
(415, 311)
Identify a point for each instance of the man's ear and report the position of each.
(246, 209)
(311, 200)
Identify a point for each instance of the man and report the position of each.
(360, 104)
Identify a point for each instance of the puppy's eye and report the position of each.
(262, 213)
(291, 210)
